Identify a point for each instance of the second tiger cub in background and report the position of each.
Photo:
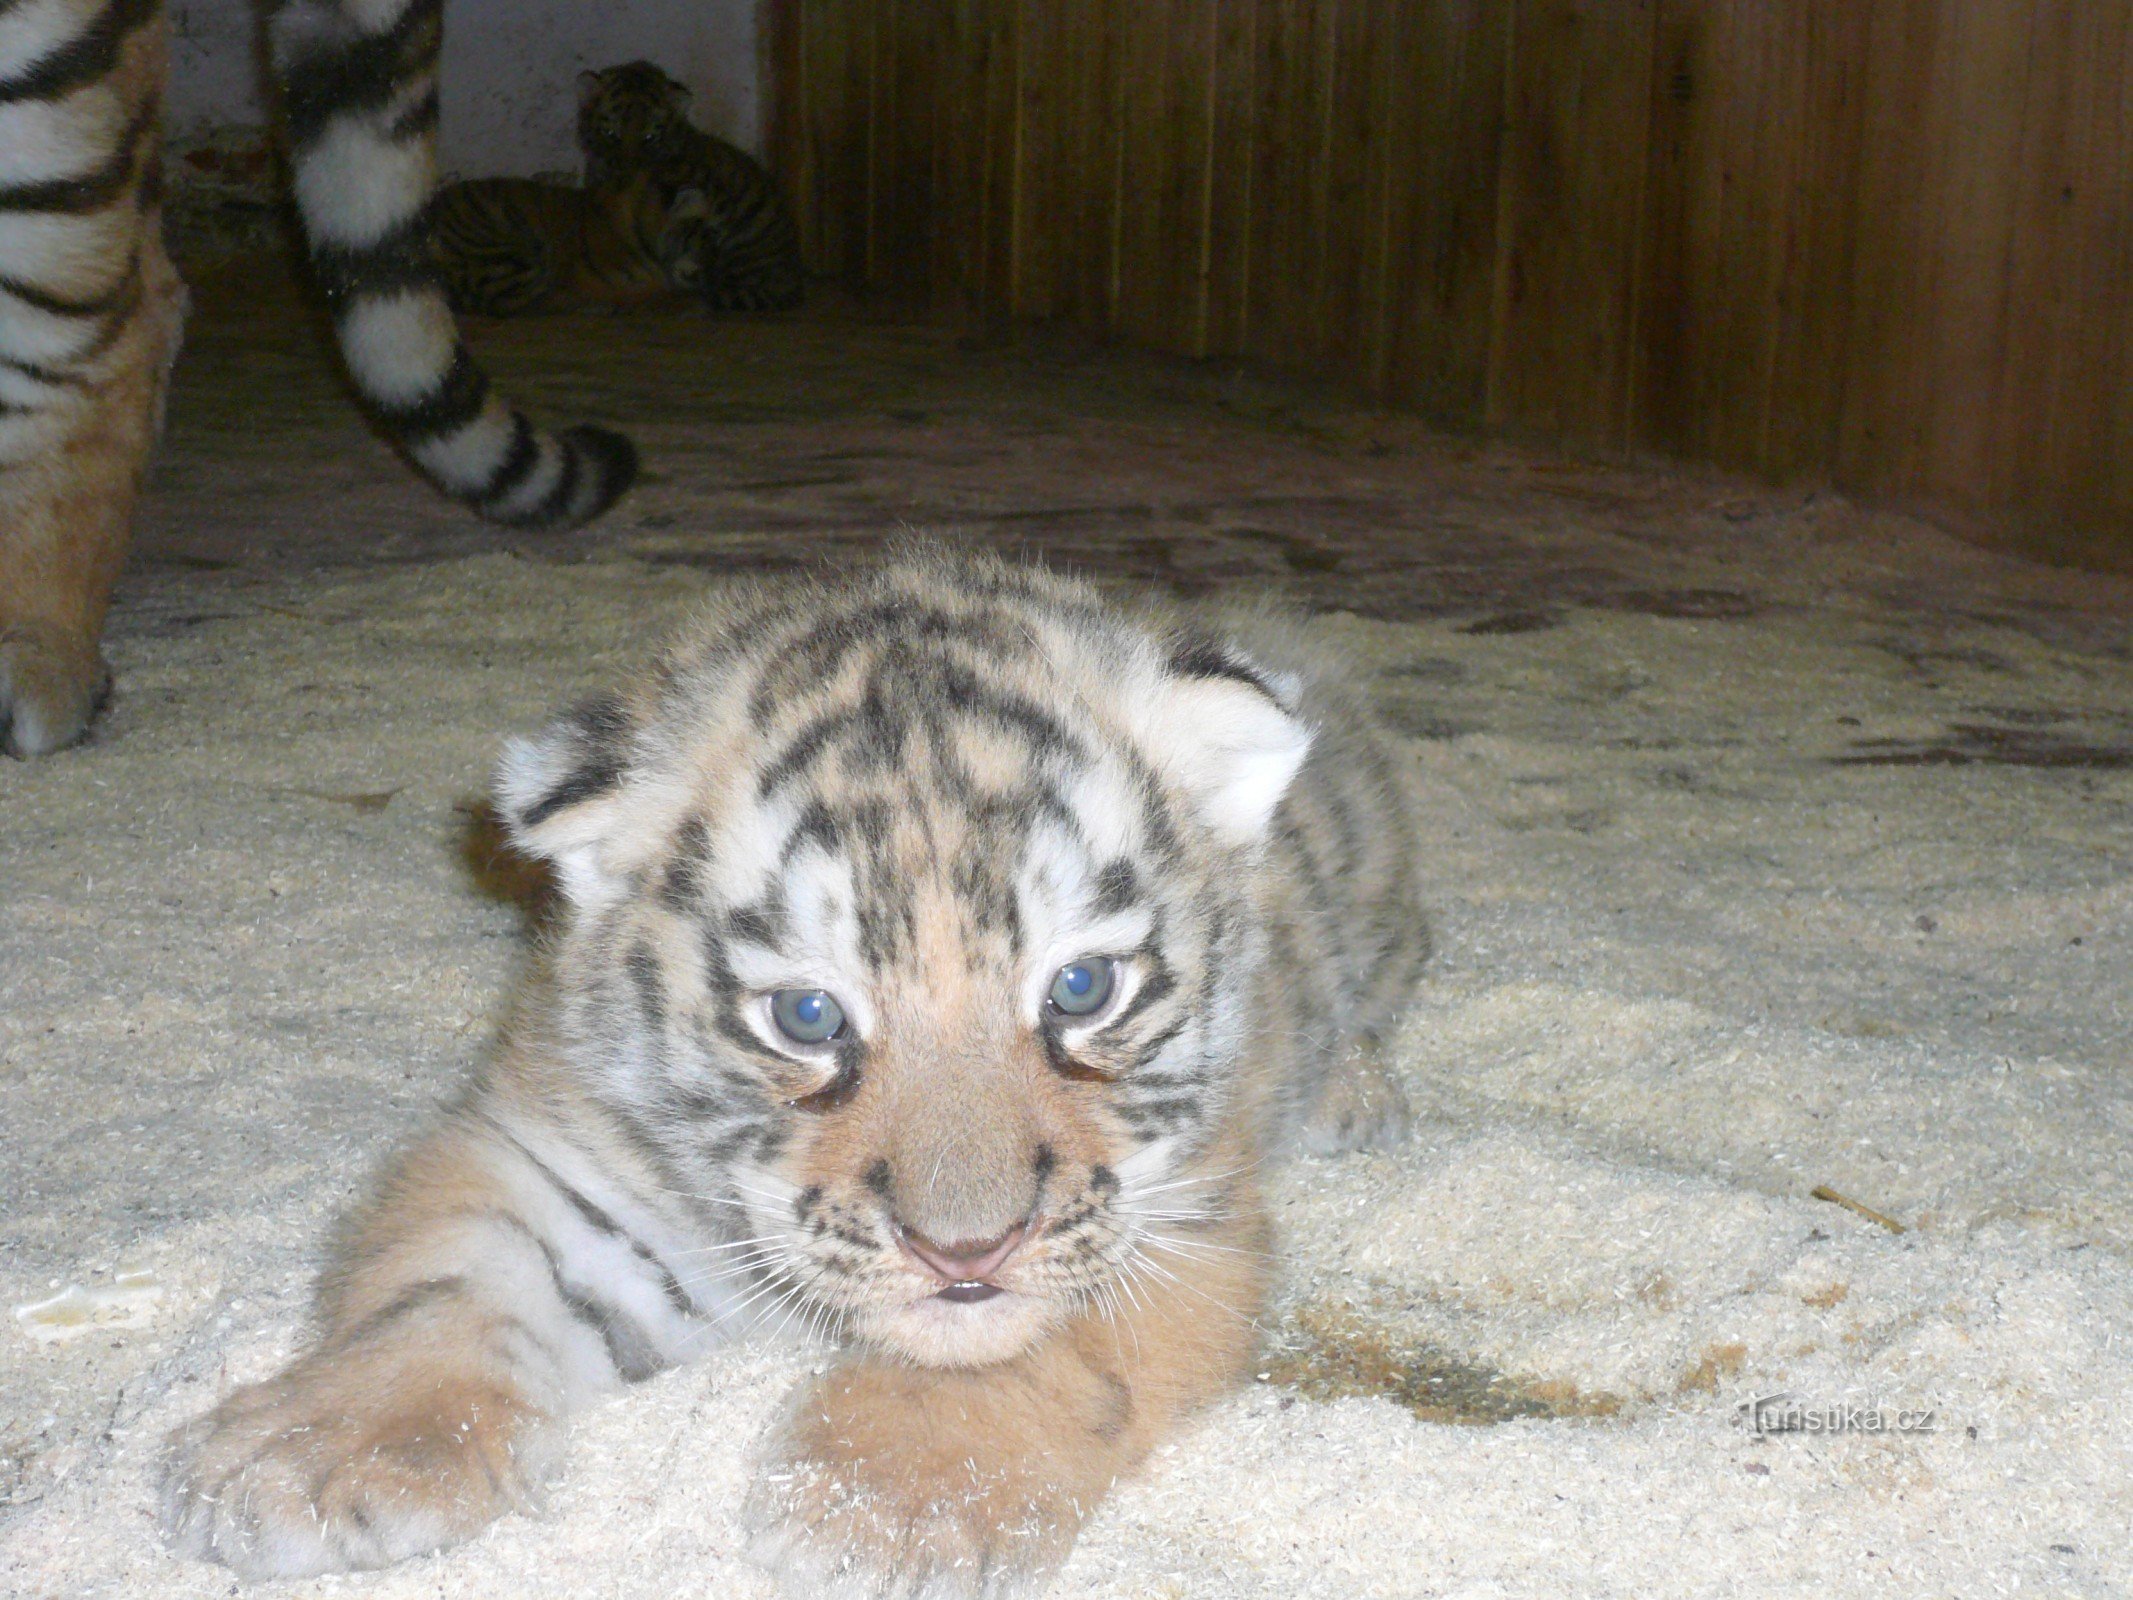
(507, 247)
(632, 122)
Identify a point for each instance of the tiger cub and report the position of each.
(512, 246)
(91, 309)
(631, 119)
(945, 953)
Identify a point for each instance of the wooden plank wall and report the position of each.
(1886, 244)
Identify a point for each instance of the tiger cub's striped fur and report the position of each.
(513, 246)
(632, 119)
(90, 308)
(938, 798)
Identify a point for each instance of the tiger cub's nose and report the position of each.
(966, 1260)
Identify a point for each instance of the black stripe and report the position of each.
(409, 1300)
(1117, 887)
(840, 1088)
(815, 656)
(1158, 985)
(121, 296)
(398, 261)
(817, 825)
(643, 968)
(600, 1222)
(417, 121)
(589, 780)
(800, 753)
(681, 886)
(1209, 658)
(1166, 1112)
(92, 190)
(520, 458)
(1150, 1048)
(629, 1348)
(43, 374)
(758, 922)
(86, 190)
(82, 60)
(552, 505)
(612, 462)
(361, 76)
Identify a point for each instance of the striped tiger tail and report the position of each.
(359, 79)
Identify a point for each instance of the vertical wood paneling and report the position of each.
(2070, 251)
(1153, 172)
(1282, 143)
(1802, 409)
(1979, 84)
(1232, 107)
(1353, 153)
(1045, 154)
(1885, 244)
(1448, 117)
(1578, 114)
(1885, 374)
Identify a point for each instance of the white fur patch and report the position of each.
(398, 345)
(572, 837)
(354, 185)
(44, 140)
(1106, 809)
(467, 460)
(1227, 745)
(45, 338)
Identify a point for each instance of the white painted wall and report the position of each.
(511, 67)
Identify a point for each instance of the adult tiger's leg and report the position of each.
(90, 313)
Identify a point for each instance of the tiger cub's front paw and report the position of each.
(1360, 1106)
(865, 1498)
(309, 1473)
(868, 1530)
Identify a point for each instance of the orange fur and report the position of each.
(71, 476)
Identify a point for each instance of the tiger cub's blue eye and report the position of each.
(1080, 988)
(807, 1016)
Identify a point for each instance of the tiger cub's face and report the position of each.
(912, 932)
(630, 115)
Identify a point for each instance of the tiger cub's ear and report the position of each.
(560, 794)
(1225, 730)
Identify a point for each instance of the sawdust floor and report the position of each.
(1777, 846)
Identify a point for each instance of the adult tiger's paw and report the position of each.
(50, 690)
(305, 1474)
(859, 1503)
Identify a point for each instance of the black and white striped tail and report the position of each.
(360, 81)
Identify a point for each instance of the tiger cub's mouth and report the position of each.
(966, 1271)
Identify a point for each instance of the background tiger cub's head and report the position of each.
(914, 920)
(631, 117)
